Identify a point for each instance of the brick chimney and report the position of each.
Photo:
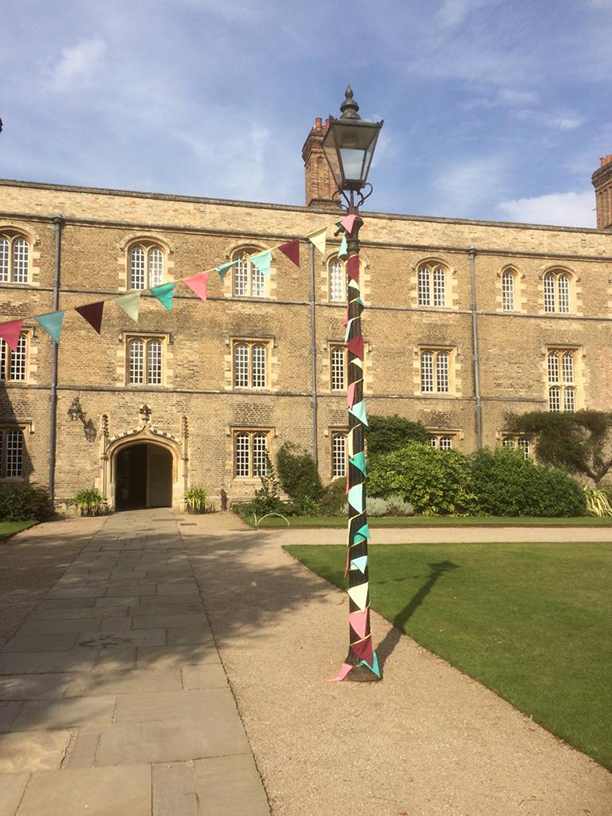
(602, 182)
(320, 184)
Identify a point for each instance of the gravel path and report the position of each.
(428, 740)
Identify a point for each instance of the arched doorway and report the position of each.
(143, 476)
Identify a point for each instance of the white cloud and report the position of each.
(77, 64)
(512, 97)
(570, 122)
(464, 187)
(562, 209)
(453, 12)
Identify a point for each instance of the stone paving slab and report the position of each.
(231, 786)
(179, 655)
(29, 751)
(65, 713)
(135, 681)
(43, 662)
(33, 686)
(12, 787)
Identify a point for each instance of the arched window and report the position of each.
(338, 454)
(431, 279)
(562, 380)
(250, 454)
(557, 292)
(250, 364)
(146, 262)
(514, 442)
(337, 283)
(441, 441)
(435, 371)
(11, 453)
(14, 258)
(338, 368)
(248, 280)
(145, 364)
(508, 289)
(13, 363)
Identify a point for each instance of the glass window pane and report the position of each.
(20, 260)
(259, 366)
(439, 287)
(137, 268)
(553, 367)
(564, 295)
(4, 359)
(258, 282)
(337, 369)
(508, 291)
(4, 259)
(18, 360)
(154, 362)
(549, 292)
(424, 286)
(442, 381)
(14, 453)
(241, 276)
(242, 457)
(260, 458)
(446, 443)
(569, 400)
(523, 445)
(338, 455)
(241, 365)
(554, 398)
(336, 281)
(136, 362)
(156, 266)
(508, 442)
(427, 381)
(568, 367)
(433, 441)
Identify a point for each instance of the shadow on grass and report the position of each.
(391, 639)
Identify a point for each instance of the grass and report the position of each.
(440, 521)
(9, 528)
(529, 621)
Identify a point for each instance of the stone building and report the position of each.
(464, 321)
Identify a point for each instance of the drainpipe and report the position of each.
(475, 349)
(58, 222)
(313, 355)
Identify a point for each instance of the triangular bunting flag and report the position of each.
(358, 539)
(344, 670)
(359, 595)
(130, 304)
(359, 411)
(92, 312)
(356, 346)
(164, 294)
(359, 622)
(262, 261)
(364, 531)
(352, 267)
(374, 664)
(359, 461)
(198, 284)
(292, 251)
(360, 564)
(52, 324)
(222, 269)
(318, 239)
(343, 251)
(363, 649)
(10, 332)
(355, 497)
(350, 394)
(348, 222)
(349, 323)
(349, 445)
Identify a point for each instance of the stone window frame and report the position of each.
(334, 260)
(5, 430)
(335, 347)
(146, 241)
(433, 264)
(324, 281)
(437, 351)
(443, 440)
(147, 337)
(551, 294)
(251, 343)
(252, 434)
(516, 441)
(147, 246)
(517, 301)
(7, 358)
(564, 389)
(335, 433)
(11, 235)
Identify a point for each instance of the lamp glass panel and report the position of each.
(331, 154)
(352, 163)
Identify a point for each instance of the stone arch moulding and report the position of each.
(153, 436)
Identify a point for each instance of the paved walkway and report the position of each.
(115, 702)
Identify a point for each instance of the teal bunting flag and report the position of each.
(348, 329)
(359, 461)
(364, 531)
(262, 261)
(343, 251)
(222, 269)
(164, 294)
(374, 667)
(360, 563)
(51, 323)
(359, 410)
(355, 497)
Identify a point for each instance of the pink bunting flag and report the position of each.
(350, 395)
(344, 670)
(352, 267)
(363, 649)
(92, 312)
(198, 284)
(348, 222)
(359, 621)
(10, 332)
(355, 346)
(292, 251)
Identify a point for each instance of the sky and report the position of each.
(493, 109)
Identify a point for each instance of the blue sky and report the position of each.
(494, 109)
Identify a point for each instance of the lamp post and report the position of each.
(349, 146)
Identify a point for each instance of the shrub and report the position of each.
(195, 499)
(397, 506)
(299, 477)
(388, 433)
(334, 498)
(597, 502)
(21, 501)
(267, 498)
(507, 484)
(434, 482)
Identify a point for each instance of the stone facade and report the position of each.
(198, 414)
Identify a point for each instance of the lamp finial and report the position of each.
(349, 107)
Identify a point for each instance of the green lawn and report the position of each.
(440, 521)
(9, 528)
(530, 621)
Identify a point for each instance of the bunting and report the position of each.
(198, 284)
(223, 269)
(130, 304)
(318, 239)
(164, 294)
(262, 261)
(92, 312)
(292, 251)
(51, 323)
(10, 332)
(343, 251)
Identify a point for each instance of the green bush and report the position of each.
(334, 498)
(434, 482)
(507, 484)
(299, 477)
(21, 501)
(89, 501)
(389, 433)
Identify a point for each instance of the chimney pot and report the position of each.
(609, 158)
(318, 123)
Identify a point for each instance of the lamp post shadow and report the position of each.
(391, 639)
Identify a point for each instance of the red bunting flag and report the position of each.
(356, 346)
(10, 332)
(363, 649)
(352, 267)
(92, 312)
(292, 251)
(198, 284)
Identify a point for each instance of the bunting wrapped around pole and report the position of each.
(361, 662)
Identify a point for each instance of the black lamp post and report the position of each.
(349, 146)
